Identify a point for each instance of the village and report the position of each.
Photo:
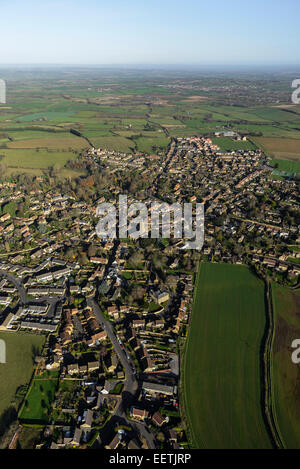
(115, 312)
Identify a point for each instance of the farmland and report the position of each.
(285, 374)
(20, 351)
(115, 143)
(222, 389)
(280, 148)
(136, 115)
(35, 158)
(60, 142)
(288, 166)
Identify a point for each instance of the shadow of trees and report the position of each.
(8, 417)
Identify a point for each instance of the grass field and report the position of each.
(285, 374)
(222, 360)
(51, 116)
(115, 143)
(286, 165)
(20, 351)
(227, 144)
(55, 142)
(38, 401)
(149, 145)
(33, 159)
(280, 148)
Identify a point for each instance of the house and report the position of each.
(6, 324)
(139, 414)
(93, 325)
(112, 311)
(99, 260)
(161, 297)
(100, 336)
(159, 324)
(112, 363)
(159, 420)
(73, 369)
(156, 389)
(5, 217)
(83, 369)
(36, 309)
(46, 277)
(38, 326)
(77, 437)
(5, 300)
(108, 387)
(74, 289)
(93, 366)
(88, 420)
(138, 324)
(61, 273)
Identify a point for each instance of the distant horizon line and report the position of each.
(154, 65)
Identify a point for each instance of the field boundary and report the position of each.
(267, 370)
(182, 386)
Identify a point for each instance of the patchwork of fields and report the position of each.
(139, 116)
(222, 388)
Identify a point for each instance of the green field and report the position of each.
(35, 159)
(227, 144)
(286, 165)
(20, 351)
(286, 374)
(152, 144)
(38, 401)
(58, 141)
(115, 143)
(222, 390)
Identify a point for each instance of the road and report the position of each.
(52, 301)
(131, 384)
(17, 283)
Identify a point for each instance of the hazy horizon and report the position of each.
(206, 68)
(135, 33)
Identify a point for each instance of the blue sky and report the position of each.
(196, 32)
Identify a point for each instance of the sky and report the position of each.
(150, 32)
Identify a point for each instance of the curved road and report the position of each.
(51, 301)
(131, 384)
(17, 283)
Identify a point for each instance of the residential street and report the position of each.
(131, 384)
